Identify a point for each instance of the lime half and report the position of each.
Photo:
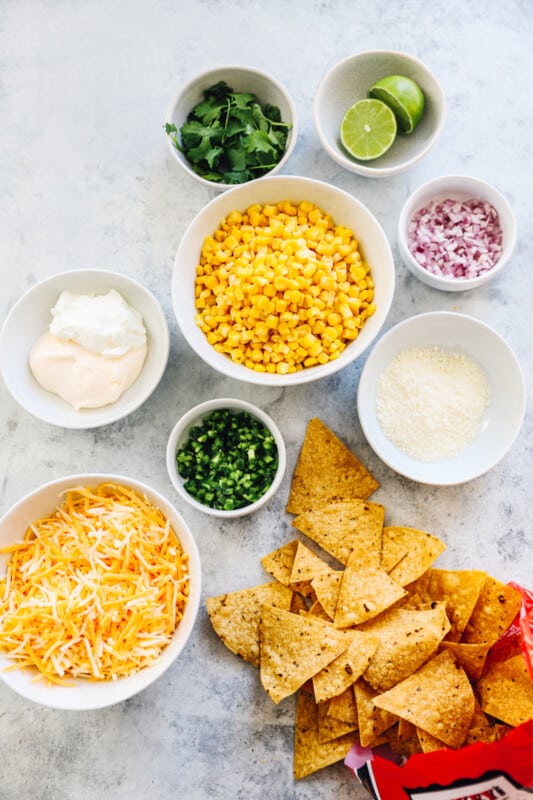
(404, 96)
(368, 129)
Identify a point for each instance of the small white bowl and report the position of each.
(349, 81)
(345, 210)
(242, 79)
(86, 694)
(30, 318)
(180, 434)
(505, 413)
(456, 187)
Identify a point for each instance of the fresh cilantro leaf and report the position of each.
(228, 137)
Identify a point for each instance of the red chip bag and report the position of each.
(498, 771)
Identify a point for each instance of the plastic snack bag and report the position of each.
(497, 770)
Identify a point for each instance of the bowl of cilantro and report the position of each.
(231, 125)
(226, 457)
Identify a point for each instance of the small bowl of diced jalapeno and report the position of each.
(226, 457)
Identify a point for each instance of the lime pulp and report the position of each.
(368, 129)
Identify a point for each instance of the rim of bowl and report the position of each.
(194, 415)
(363, 390)
(359, 167)
(435, 189)
(114, 413)
(61, 697)
(291, 139)
(309, 374)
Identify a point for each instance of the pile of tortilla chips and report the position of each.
(378, 644)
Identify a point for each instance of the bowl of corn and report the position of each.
(282, 281)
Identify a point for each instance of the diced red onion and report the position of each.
(456, 239)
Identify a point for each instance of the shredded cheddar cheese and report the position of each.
(94, 591)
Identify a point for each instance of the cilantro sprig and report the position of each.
(229, 137)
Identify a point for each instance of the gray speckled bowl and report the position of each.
(349, 81)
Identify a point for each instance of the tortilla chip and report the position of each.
(330, 728)
(471, 657)
(294, 648)
(422, 550)
(497, 606)
(279, 562)
(306, 565)
(317, 610)
(343, 706)
(418, 590)
(407, 738)
(346, 668)
(298, 604)
(310, 754)
(481, 728)
(392, 551)
(429, 743)
(339, 527)
(327, 472)
(372, 721)
(326, 588)
(437, 698)
(364, 592)
(407, 637)
(506, 691)
(235, 616)
(460, 589)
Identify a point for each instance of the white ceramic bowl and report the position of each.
(30, 317)
(504, 415)
(349, 81)
(180, 434)
(242, 79)
(85, 694)
(345, 210)
(456, 187)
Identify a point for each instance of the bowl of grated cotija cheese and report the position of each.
(99, 591)
(441, 398)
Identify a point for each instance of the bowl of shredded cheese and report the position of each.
(99, 590)
(282, 281)
(441, 398)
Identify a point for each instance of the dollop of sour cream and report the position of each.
(93, 351)
(104, 324)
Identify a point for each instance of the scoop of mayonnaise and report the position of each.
(82, 378)
(103, 324)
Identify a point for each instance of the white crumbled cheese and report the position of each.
(431, 402)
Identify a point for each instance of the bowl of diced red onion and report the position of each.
(456, 232)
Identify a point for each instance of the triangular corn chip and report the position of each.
(497, 606)
(310, 754)
(407, 637)
(506, 691)
(235, 616)
(339, 527)
(372, 721)
(326, 472)
(364, 592)
(293, 649)
(460, 589)
(346, 668)
(437, 698)
(326, 588)
(422, 550)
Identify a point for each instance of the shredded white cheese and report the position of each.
(431, 402)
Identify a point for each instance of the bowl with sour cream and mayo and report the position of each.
(84, 348)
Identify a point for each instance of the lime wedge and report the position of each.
(403, 96)
(368, 129)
